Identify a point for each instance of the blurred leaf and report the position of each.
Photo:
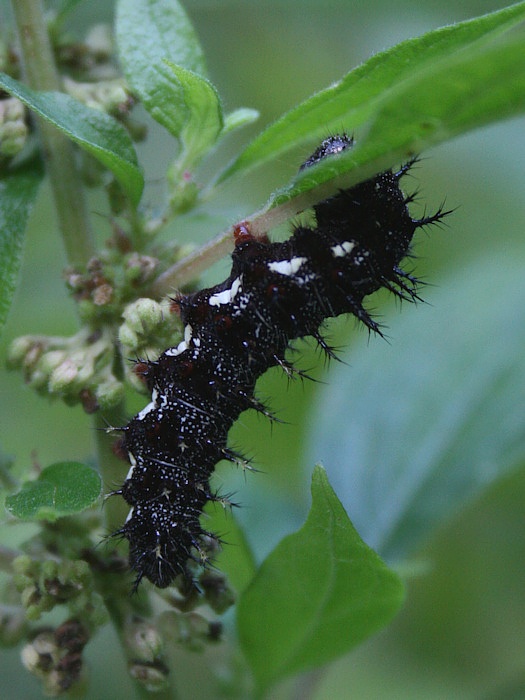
(239, 118)
(235, 558)
(412, 430)
(18, 191)
(419, 93)
(317, 595)
(61, 489)
(94, 131)
(63, 13)
(149, 33)
(204, 119)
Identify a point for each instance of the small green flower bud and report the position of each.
(25, 566)
(99, 42)
(31, 596)
(18, 350)
(87, 310)
(109, 96)
(109, 394)
(63, 377)
(143, 642)
(51, 360)
(140, 268)
(143, 315)
(183, 195)
(13, 129)
(49, 569)
(32, 659)
(128, 338)
(25, 351)
(153, 677)
(44, 643)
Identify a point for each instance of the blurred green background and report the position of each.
(462, 631)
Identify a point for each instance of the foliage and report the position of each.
(322, 590)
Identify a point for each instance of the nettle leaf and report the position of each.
(235, 559)
(64, 488)
(244, 116)
(149, 33)
(18, 191)
(419, 93)
(317, 595)
(432, 419)
(204, 121)
(94, 131)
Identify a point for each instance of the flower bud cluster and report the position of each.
(77, 369)
(44, 584)
(109, 282)
(144, 320)
(144, 649)
(110, 96)
(55, 656)
(13, 127)
(81, 369)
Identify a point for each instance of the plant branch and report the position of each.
(111, 467)
(258, 224)
(57, 150)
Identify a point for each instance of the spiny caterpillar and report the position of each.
(234, 332)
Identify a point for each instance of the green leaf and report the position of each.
(244, 116)
(421, 92)
(18, 190)
(204, 120)
(64, 488)
(96, 132)
(429, 421)
(149, 33)
(317, 595)
(235, 559)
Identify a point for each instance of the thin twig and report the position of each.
(57, 150)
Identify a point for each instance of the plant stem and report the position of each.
(258, 224)
(111, 468)
(57, 150)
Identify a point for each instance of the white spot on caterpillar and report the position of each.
(181, 347)
(147, 409)
(287, 267)
(130, 515)
(339, 251)
(133, 463)
(227, 296)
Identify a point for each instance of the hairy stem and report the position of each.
(111, 467)
(258, 224)
(57, 150)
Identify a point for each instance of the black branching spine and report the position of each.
(234, 332)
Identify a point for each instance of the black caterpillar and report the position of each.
(234, 332)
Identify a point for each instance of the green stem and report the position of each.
(112, 469)
(57, 150)
(258, 224)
